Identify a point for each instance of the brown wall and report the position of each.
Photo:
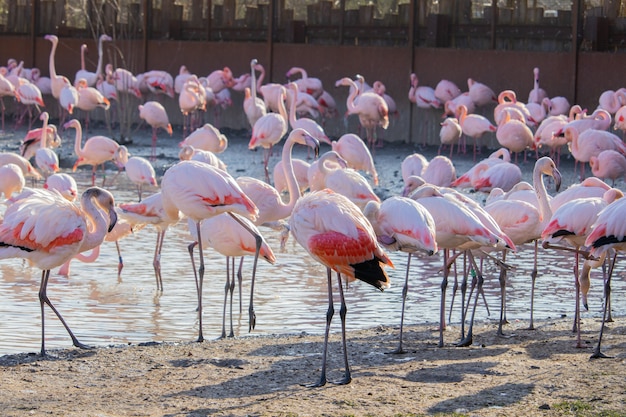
(596, 72)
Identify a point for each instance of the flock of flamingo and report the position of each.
(332, 210)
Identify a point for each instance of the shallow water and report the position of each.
(290, 296)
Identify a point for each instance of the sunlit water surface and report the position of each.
(290, 296)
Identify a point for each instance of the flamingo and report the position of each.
(68, 100)
(473, 125)
(27, 168)
(504, 176)
(455, 226)
(558, 105)
(589, 187)
(353, 149)
(611, 100)
(316, 176)
(192, 98)
(572, 223)
(7, 89)
(469, 178)
(514, 135)
(300, 169)
(28, 94)
(608, 164)
(440, 172)
(188, 152)
(11, 180)
(89, 99)
(268, 131)
(46, 159)
(600, 119)
(126, 82)
(423, 96)
(253, 106)
(155, 115)
(607, 235)
(91, 77)
(156, 82)
(267, 199)
(537, 94)
(96, 151)
(306, 84)
(371, 109)
(232, 237)
(413, 164)
(305, 123)
(63, 183)
(349, 183)
(446, 90)
(150, 211)
(43, 83)
(590, 143)
(403, 224)
(220, 79)
(183, 75)
(200, 191)
(30, 142)
(207, 138)
(523, 222)
(450, 133)
(507, 99)
(335, 233)
(58, 232)
(481, 94)
(141, 172)
(57, 82)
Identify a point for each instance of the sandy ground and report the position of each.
(531, 373)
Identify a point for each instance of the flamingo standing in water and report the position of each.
(336, 233)
(155, 115)
(46, 159)
(352, 148)
(253, 106)
(200, 191)
(207, 138)
(96, 151)
(58, 232)
(403, 224)
(91, 77)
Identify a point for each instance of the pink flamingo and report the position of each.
(30, 142)
(91, 77)
(141, 172)
(253, 106)
(474, 125)
(349, 183)
(192, 98)
(57, 81)
(336, 233)
(440, 171)
(611, 100)
(58, 232)
(537, 94)
(514, 135)
(608, 164)
(305, 123)
(7, 89)
(11, 180)
(267, 198)
(89, 99)
(220, 79)
(371, 109)
(468, 179)
(572, 223)
(402, 224)
(450, 133)
(200, 191)
(331, 160)
(96, 151)
(590, 143)
(150, 211)
(504, 175)
(423, 96)
(45, 158)
(607, 235)
(232, 237)
(27, 168)
(353, 149)
(600, 119)
(188, 152)
(28, 94)
(207, 138)
(300, 169)
(268, 131)
(523, 222)
(156, 82)
(183, 75)
(589, 187)
(413, 164)
(446, 90)
(558, 105)
(306, 84)
(481, 94)
(63, 183)
(155, 115)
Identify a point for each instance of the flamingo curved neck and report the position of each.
(44, 128)
(99, 65)
(352, 96)
(53, 73)
(253, 82)
(290, 176)
(292, 106)
(542, 196)
(99, 225)
(78, 140)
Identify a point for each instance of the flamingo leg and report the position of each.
(329, 316)
(259, 241)
(405, 290)
(43, 299)
(597, 352)
(502, 279)
(468, 339)
(226, 289)
(342, 314)
(200, 282)
(444, 285)
(120, 263)
(153, 151)
(156, 262)
(240, 281)
(533, 276)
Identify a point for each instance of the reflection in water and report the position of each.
(289, 296)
